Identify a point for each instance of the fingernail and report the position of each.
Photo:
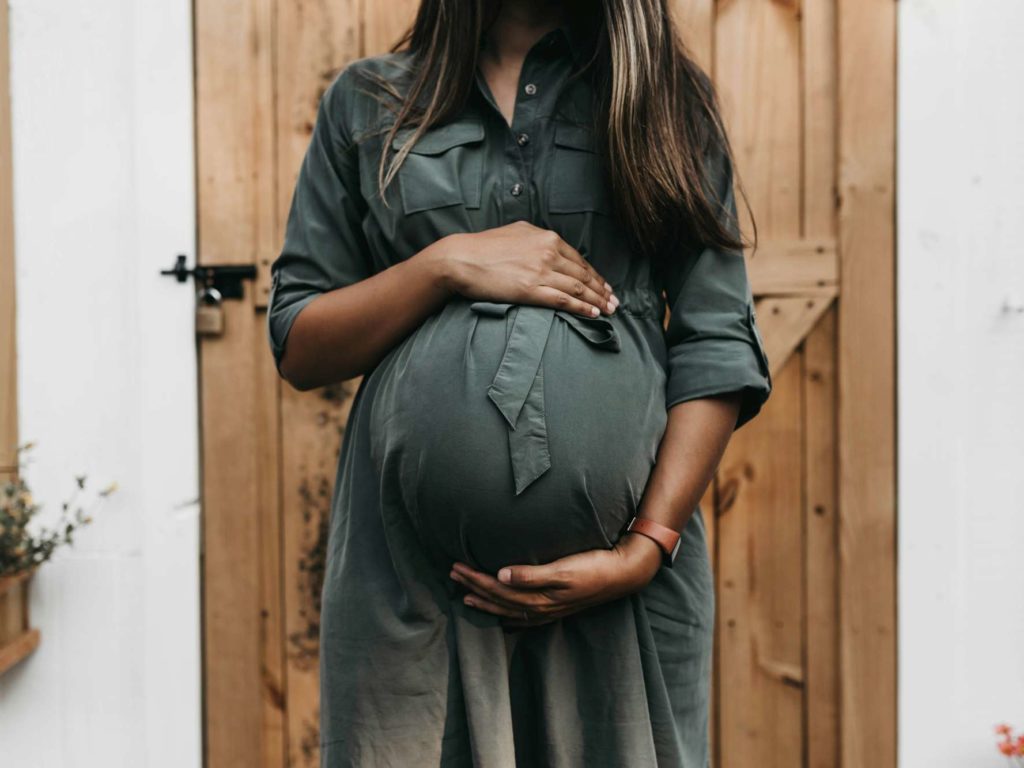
(607, 287)
(453, 575)
(611, 307)
(469, 602)
(615, 299)
(594, 311)
(505, 575)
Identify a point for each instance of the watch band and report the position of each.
(662, 535)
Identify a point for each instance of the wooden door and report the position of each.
(804, 506)
(804, 500)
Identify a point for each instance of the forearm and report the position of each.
(691, 448)
(345, 332)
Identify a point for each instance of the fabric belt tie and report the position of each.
(517, 389)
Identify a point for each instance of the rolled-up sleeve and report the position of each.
(714, 346)
(324, 246)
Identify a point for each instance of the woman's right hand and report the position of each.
(523, 264)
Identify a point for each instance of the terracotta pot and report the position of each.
(17, 638)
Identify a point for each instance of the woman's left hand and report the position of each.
(530, 595)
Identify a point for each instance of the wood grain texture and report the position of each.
(695, 20)
(821, 584)
(867, 383)
(760, 575)
(8, 302)
(785, 322)
(18, 649)
(757, 55)
(234, 155)
(383, 23)
(818, 40)
(314, 42)
(314, 426)
(757, 72)
(802, 267)
(269, 511)
(17, 638)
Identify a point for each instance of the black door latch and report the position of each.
(226, 279)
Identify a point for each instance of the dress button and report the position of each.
(517, 189)
(530, 89)
(522, 139)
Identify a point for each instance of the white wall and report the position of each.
(102, 119)
(961, 379)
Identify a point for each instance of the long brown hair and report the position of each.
(661, 121)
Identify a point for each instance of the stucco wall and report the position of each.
(961, 379)
(103, 186)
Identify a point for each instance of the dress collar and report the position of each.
(570, 34)
(576, 38)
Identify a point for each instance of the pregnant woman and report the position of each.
(489, 225)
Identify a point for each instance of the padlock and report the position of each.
(209, 312)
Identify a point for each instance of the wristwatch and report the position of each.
(661, 535)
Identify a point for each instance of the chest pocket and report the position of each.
(577, 181)
(445, 167)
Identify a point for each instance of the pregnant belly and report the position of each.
(513, 434)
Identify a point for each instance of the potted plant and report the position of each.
(23, 548)
(1010, 745)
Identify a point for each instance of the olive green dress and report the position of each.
(497, 434)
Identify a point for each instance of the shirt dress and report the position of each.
(498, 434)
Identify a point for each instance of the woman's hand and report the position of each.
(523, 264)
(530, 595)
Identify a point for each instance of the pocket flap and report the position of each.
(440, 138)
(575, 137)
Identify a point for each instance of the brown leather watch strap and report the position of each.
(662, 535)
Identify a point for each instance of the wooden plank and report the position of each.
(235, 130)
(867, 391)
(236, 203)
(821, 537)
(314, 41)
(314, 428)
(784, 322)
(8, 303)
(232, 619)
(820, 397)
(760, 649)
(267, 449)
(18, 649)
(818, 28)
(17, 638)
(695, 21)
(384, 23)
(805, 266)
(757, 71)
